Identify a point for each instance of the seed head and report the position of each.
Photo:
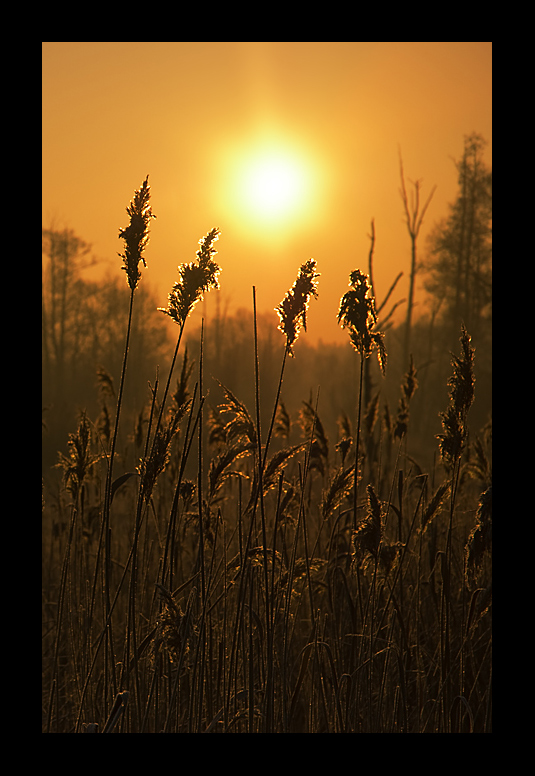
(292, 310)
(196, 278)
(408, 389)
(357, 314)
(136, 234)
(78, 463)
(367, 538)
(479, 542)
(462, 381)
(153, 465)
(240, 423)
(454, 419)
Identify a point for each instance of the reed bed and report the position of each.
(243, 580)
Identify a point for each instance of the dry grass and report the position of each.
(224, 587)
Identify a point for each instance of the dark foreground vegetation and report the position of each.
(297, 540)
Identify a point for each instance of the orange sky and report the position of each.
(197, 117)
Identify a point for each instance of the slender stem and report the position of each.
(273, 416)
(261, 462)
(169, 552)
(446, 599)
(61, 600)
(167, 385)
(200, 471)
(105, 529)
(357, 443)
(107, 494)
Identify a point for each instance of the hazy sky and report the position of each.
(289, 148)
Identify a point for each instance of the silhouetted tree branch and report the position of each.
(414, 218)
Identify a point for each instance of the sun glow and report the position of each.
(271, 185)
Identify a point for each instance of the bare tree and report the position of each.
(64, 257)
(383, 323)
(414, 217)
(83, 324)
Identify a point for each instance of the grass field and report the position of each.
(246, 576)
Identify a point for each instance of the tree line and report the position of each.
(80, 356)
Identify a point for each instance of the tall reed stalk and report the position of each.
(195, 279)
(136, 238)
(357, 315)
(452, 443)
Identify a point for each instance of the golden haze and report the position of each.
(289, 148)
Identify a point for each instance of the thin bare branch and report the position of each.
(391, 289)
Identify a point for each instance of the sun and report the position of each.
(273, 186)
(269, 184)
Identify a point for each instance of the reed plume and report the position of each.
(240, 424)
(136, 237)
(105, 382)
(451, 443)
(367, 537)
(78, 463)
(282, 422)
(292, 311)
(154, 464)
(479, 542)
(196, 278)
(357, 314)
(312, 428)
(339, 487)
(408, 389)
(435, 504)
(461, 392)
(136, 234)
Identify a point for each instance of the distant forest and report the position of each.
(84, 323)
